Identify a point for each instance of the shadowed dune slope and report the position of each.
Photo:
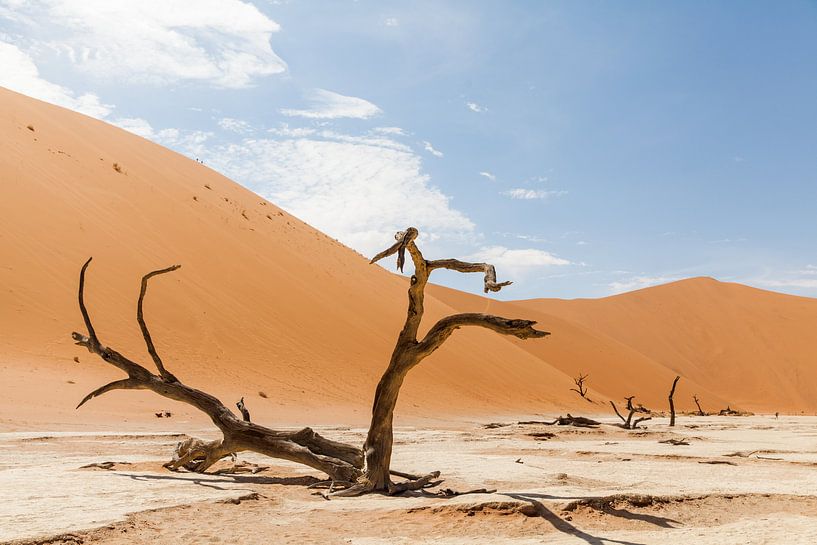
(265, 303)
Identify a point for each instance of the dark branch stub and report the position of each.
(245, 414)
(409, 352)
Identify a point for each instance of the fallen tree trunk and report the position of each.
(569, 420)
(339, 461)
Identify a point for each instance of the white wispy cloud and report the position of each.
(802, 278)
(237, 126)
(292, 132)
(391, 21)
(474, 107)
(394, 131)
(518, 262)
(365, 139)
(531, 194)
(488, 175)
(639, 282)
(788, 282)
(225, 43)
(325, 104)
(19, 73)
(359, 189)
(191, 142)
(430, 149)
(136, 125)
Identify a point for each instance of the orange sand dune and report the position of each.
(756, 348)
(265, 303)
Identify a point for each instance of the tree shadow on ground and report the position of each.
(211, 481)
(561, 524)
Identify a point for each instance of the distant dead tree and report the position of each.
(341, 462)
(729, 411)
(410, 351)
(672, 403)
(698, 404)
(580, 388)
(628, 423)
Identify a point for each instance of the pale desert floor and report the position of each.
(767, 494)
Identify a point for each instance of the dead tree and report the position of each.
(628, 423)
(245, 414)
(580, 389)
(698, 404)
(569, 420)
(672, 403)
(410, 351)
(341, 462)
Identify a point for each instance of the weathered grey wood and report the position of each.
(569, 420)
(245, 414)
(409, 352)
(339, 461)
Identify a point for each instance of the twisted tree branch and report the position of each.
(339, 461)
(403, 239)
(437, 335)
(465, 267)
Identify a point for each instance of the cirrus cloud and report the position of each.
(533, 194)
(355, 188)
(20, 74)
(518, 262)
(225, 43)
(325, 104)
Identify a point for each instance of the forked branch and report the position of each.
(341, 462)
(580, 388)
(628, 423)
(166, 376)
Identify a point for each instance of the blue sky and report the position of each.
(585, 148)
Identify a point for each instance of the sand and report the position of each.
(765, 495)
(268, 308)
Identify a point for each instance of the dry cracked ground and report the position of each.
(738, 480)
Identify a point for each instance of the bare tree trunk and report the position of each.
(341, 462)
(409, 351)
(698, 404)
(672, 403)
